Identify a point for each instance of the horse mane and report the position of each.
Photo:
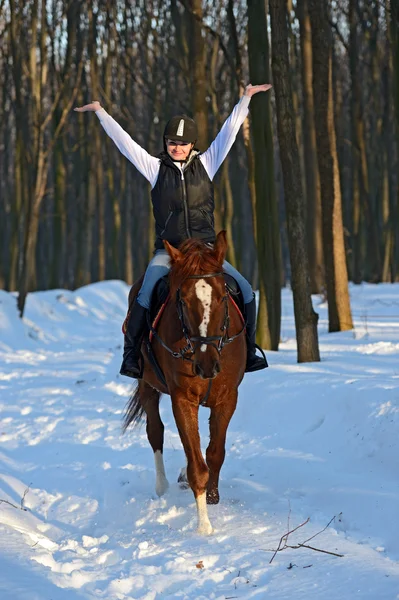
(198, 259)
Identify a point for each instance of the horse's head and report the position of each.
(198, 288)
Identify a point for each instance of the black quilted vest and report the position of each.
(182, 204)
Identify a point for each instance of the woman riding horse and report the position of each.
(183, 206)
(200, 348)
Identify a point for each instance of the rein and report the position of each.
(217, 341)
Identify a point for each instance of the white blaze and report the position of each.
(204, 295)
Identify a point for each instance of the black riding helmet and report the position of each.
(181, 128)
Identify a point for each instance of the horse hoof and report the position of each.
(212, 497)
(161, 487)
(205, 529)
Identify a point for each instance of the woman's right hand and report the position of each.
(93, 106)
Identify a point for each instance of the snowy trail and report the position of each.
(318, 438)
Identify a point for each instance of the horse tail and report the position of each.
(134, 410)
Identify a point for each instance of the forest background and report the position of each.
(309, 194)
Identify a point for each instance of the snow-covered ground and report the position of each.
(311, 440)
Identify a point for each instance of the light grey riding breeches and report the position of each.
(160, 265)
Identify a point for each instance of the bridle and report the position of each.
(192, 342)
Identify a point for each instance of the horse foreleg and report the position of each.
(219, 420)
(186, 417)
(149, 398)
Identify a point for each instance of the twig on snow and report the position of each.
(21, 507)
(319, 532)
(283, 543)
(2, 501)
(316, 550)
(284, 538)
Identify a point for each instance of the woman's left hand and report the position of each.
(250, 90)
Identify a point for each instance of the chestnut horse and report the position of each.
(201, 348)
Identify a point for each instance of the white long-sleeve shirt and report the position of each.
(149, 165)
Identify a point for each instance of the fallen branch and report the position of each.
(316, 550)
(318, 533)
(21, 507)
(13, 505)
(283, 543)
(285, 538)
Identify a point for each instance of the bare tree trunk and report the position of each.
(391, 199)
(246, 125)
(88, 225)
(305, 317)
(357, 273)
(82, 167)
(248, 249)
(59, 218)
(97, 166)
(16, 213)
(100, 208)
(113, 268)
(128, 272)
(268, 231)
(386, 221)
(229, 211)
(395, 51)
(215, 129)
(7, 172)
(339, 312)
(33, 135)
(295, 75)
(313, 199)
(198, 74)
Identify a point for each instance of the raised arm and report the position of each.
(220, 147)
(145, 163)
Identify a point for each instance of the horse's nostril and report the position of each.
(216, 368)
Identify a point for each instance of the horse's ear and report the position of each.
(173, 252)
(220, 246)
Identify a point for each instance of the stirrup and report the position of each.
(133, 373)
(258, 362)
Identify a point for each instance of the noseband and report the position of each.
(216, 341)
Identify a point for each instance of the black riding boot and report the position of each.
(133, 338)
(254, 362)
